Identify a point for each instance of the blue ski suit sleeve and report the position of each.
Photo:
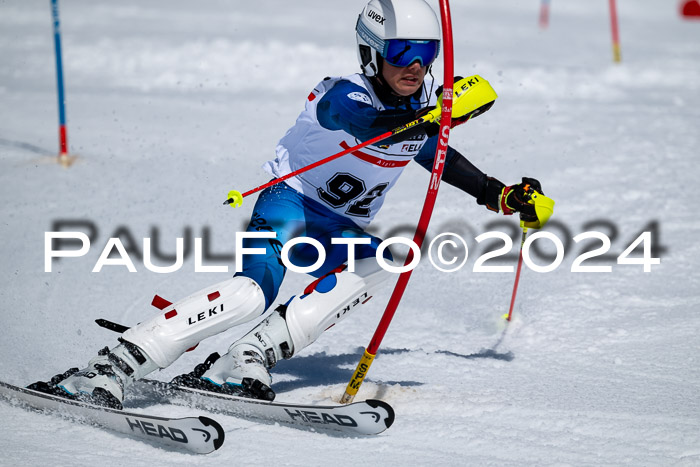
(338, 111)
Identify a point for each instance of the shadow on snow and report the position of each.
(322, 369)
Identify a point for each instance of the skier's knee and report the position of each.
(329, 299)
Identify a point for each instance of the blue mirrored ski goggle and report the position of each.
(403, 52)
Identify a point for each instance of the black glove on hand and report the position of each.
(515, 198)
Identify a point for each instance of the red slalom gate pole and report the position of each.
(426, 213)
(615, 32)
(544, 14)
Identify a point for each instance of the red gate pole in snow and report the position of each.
(615, 32)
(426, 213)
(544, 14)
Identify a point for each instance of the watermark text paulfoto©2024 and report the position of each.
(542, 251)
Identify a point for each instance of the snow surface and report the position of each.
(171, 104)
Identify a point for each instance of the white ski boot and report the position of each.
(103, 381)
(160, 340)
(243, 370)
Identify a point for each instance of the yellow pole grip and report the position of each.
(357, 378)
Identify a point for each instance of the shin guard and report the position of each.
(328, 300)
(181, 326)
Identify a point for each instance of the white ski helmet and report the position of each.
(400, 31)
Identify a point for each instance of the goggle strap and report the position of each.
(374, 41)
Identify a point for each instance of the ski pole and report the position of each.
(235, 198)
(517, 276)
(475, 95)
(426, 213)
(544, 207)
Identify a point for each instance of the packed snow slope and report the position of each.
(172, 104)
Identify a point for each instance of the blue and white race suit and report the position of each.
(341, 113)
(340, 198)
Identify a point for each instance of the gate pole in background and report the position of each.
(544, 14)
(62, 133)
(615, 32)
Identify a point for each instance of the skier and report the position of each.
(397, 41)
